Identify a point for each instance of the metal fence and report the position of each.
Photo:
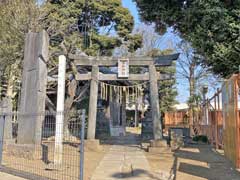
(55, 157)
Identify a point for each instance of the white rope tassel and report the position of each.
(121, 90)
(118, 94)
(134, 90)
(131, 94)
(101, 90)
(107, 92)
(124, 93)
(114, 88)
(110, 99)
(137, 93)
(127, 95)
(104, 91)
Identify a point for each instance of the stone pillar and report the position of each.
(116, 111)
(157, 125)
(60, 111)
(33, 92)
(92, 114)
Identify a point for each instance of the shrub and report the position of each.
(201, 138)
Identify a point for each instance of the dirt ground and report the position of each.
(69, 169)
(92, 160)
(195, 162)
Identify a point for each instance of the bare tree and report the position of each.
(190, 69)
(151, 40)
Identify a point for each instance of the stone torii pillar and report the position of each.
(92, 111)
(154, 98)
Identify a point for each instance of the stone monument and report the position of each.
(33, 92)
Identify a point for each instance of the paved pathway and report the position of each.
(123, 161)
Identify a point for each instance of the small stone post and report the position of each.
(60, 111)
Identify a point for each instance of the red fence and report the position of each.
(218, 118)
(177, 118)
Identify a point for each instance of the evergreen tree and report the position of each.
(18, 17)
(93, 27)
(211, 26)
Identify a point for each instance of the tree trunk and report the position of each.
(68, 105)
(191, 93)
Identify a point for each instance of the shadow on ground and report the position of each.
(137, 173)
(202, 162)
(193, 162)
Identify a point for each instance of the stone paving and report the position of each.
(123, 161)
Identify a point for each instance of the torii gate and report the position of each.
(94, 76)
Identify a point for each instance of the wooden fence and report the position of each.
(176, 118)
(223, 127)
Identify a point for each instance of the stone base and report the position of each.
(26, 151)
(160, 150)
(53, 167)
(159, 147)
(158, 143)
(92, 145)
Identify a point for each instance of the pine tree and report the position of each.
(93, 27)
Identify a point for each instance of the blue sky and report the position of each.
(133, 9)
